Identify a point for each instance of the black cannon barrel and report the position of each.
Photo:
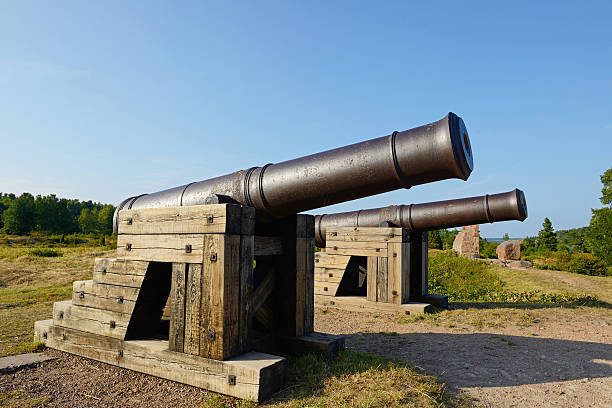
(436, 151)
(430, 216)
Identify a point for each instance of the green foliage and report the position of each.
(434, 239)
(466, 280)
(46, 252)
(547, 239)
(18, 218)
(24, 214)
(487, 249)
(582, 263)
(606, 191)
(528, 246)
(572, 239)
(598, 238)
(506, 237)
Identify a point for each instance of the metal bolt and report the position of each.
(394, 292)
(210, 219)
(334, 234)
(317, 260)
(61, 315)
(188, 248)
(325, 289)
(331, 275)
(112, 324)
(395, 254)
(120, 353)
(103, 271)
(377, 249)
(231, 379)
(213, 257)
(331, 302)
(44, 335)
(82, 295)
(120, 299)
(335, 248)
(211, 335)
(129, 221)
(128, 247)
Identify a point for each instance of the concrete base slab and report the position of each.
(12, 363)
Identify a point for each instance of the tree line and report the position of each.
(21, 215)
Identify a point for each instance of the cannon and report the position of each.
(433, 152)
(376, 260)
(213, 276)
(506, 206)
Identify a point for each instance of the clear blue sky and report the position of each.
(102, 100)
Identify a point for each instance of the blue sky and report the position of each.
(102, 100)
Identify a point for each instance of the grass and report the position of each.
(465, 280)
(30, 284)
(21, 399)
(45, 252)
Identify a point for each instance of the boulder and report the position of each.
(519, 264)
(467, 242)
(509, 250)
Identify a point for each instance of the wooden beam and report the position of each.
(176, 336)
(263, 291)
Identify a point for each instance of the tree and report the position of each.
(105, 219)
(434, 239)
(547, 239)
(598, 238)
(506, 237)
(19, 217)
(88, 220)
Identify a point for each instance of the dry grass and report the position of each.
(29, 285)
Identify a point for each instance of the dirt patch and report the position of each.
(501, 356)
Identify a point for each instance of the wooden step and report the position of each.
(87, 319)
(361, 304)
(254, 376)
(120, 272)
(114, 298)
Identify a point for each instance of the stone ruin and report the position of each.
(467, 242)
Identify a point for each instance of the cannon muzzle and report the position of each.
(431, 216)
(436, 151)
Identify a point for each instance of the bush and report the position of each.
(488, 249)
(583, 263)
(45, 252)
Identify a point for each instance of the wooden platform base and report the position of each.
(252, 376)
(361, 304)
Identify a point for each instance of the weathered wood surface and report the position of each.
(382, 278)
(325, 288)
(331, 261)
(328, 274)
(197, 219)
(120, 272)
(97, 321)
(253, 376)
(245, 315)
(361, 304)
(186, 248)
(193, 307)
(398, 278)
(177, 301)
(101, 296)
(357, 248)
(371, 281)
(268, 246)
(314, 342)
(364, 234)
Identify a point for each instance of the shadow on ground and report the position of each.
(491, 360)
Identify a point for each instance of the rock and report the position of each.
(519, 264)
(467, 242)
(509, 250)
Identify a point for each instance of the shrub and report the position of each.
(45, 252)
(587, 264)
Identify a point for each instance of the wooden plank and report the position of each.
(263, 291)
(118, 279)
(193, 299)
(197, 219)
(328, 275)
(364, 234)
(265, 316)
(324, 259)
(219, 337)
(325, 288)
(361, 304)
(106, 297)
(313, 342)
(371, 280)
(382, 278)
(424, 262)
(256, 375)
(103, 322)
(245, 317)
(395, 275)
(121, 266)
(161, 248)
(268, 246)
(309, 298)
(301, 246)
(357, 248)
(176, 336)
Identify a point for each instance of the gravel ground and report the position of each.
(558, 357)
(501, 357)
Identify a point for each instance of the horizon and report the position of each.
(106, 101)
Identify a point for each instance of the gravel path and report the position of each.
(503, 358)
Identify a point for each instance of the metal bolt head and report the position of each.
(213, 257)
(82, 295)
(120, 299)
(61, 315)
(231, 379)
(128, 247)
(129, 221)
(188, 248)
(394, 292)
(44, 335)
(103, 271)
(210, 219)
(112, 324)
